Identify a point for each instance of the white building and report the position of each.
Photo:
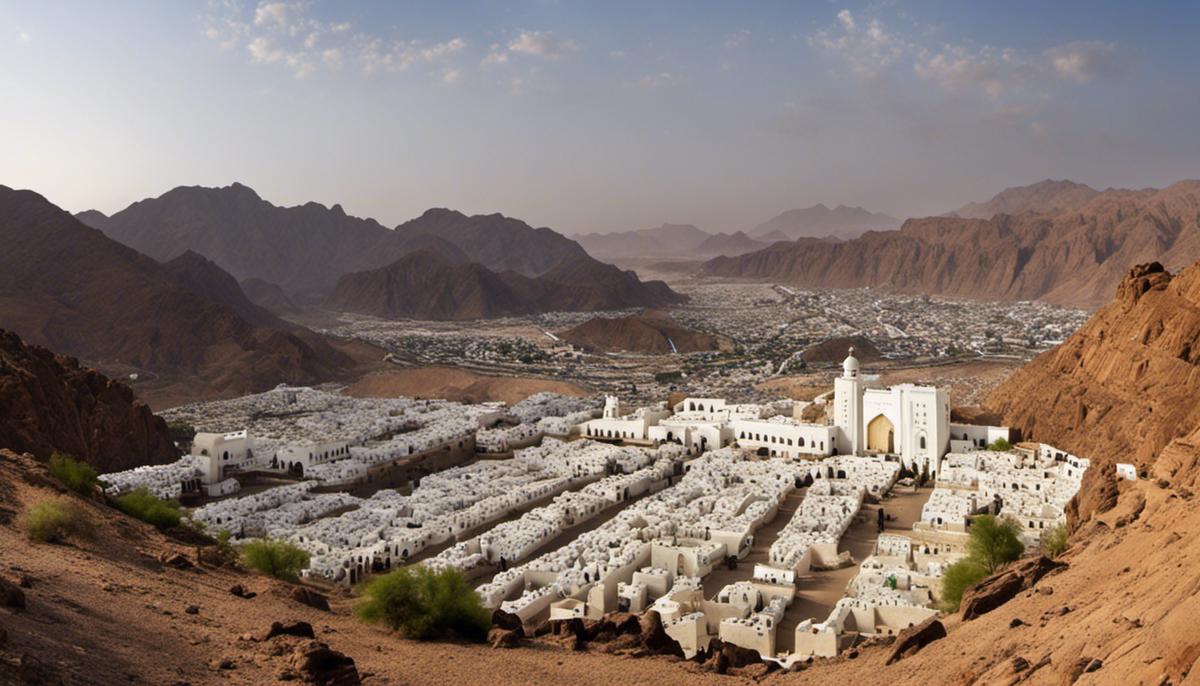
(908, 421)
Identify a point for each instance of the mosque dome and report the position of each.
(850, 364)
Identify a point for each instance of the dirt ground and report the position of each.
(818, 591)
(456, 384)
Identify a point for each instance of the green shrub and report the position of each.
(424, 604)
(75, 474)
(957, 578)
(994, 542)
(181, 432)
(1054, 541)
(54, 520)
(144, 505)
(279, 559)
(1000, 445)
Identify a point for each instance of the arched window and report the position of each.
(922, 443)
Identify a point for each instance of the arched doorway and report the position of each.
(881, 435)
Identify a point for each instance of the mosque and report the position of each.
(909, 421)
(906, 423)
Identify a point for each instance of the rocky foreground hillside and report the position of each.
(52, 403)
(1073, 256)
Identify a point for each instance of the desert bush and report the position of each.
(957, 578)
(76, 475)
(1000, 445)
(144, 505)
(56, 519)
(1054, 541)
(994, 542)
(279, 559)
(424, 604)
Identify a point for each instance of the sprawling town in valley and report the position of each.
(765, 326)
(720, 516)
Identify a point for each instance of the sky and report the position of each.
(596, 116)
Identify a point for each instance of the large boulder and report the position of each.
(11, 595)
(506, 620)
(722, 657)
(504, 638)
(655, 638)
(309, 597)
(301, 629)
(910, 641)
(319, 664)
(994, 591)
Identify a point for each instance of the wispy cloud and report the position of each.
(1083, 61)
(652, 81)
(737, 39)
(871, 50)
(287, 33)
(542, 44)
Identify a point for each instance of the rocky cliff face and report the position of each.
(1073, 257)
(1127, 382)
(1123, 388)
(52, 403)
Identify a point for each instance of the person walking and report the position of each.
(880, 519)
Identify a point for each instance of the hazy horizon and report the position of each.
(596, 119)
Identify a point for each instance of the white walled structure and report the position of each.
(908, 421)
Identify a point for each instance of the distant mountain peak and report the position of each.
(818, 221)
(1048, 196)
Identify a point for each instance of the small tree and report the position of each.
(56, 519)
(957, 578)
(994, 542)
(1054, 541)
(423, 604)
(1000, 445)
(279, 559)
(144, 505)
(76, 475)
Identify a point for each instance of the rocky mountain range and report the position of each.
(819, 221)
(426, 285)
(68, 287)
(52, 403)
(1072, 257)
(305, 249)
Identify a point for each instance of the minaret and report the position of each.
(612, 407)
(848, 407)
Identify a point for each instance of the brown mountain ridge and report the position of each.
(1071, 257)
(70, 288)
(424, 285)
(305, 249)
